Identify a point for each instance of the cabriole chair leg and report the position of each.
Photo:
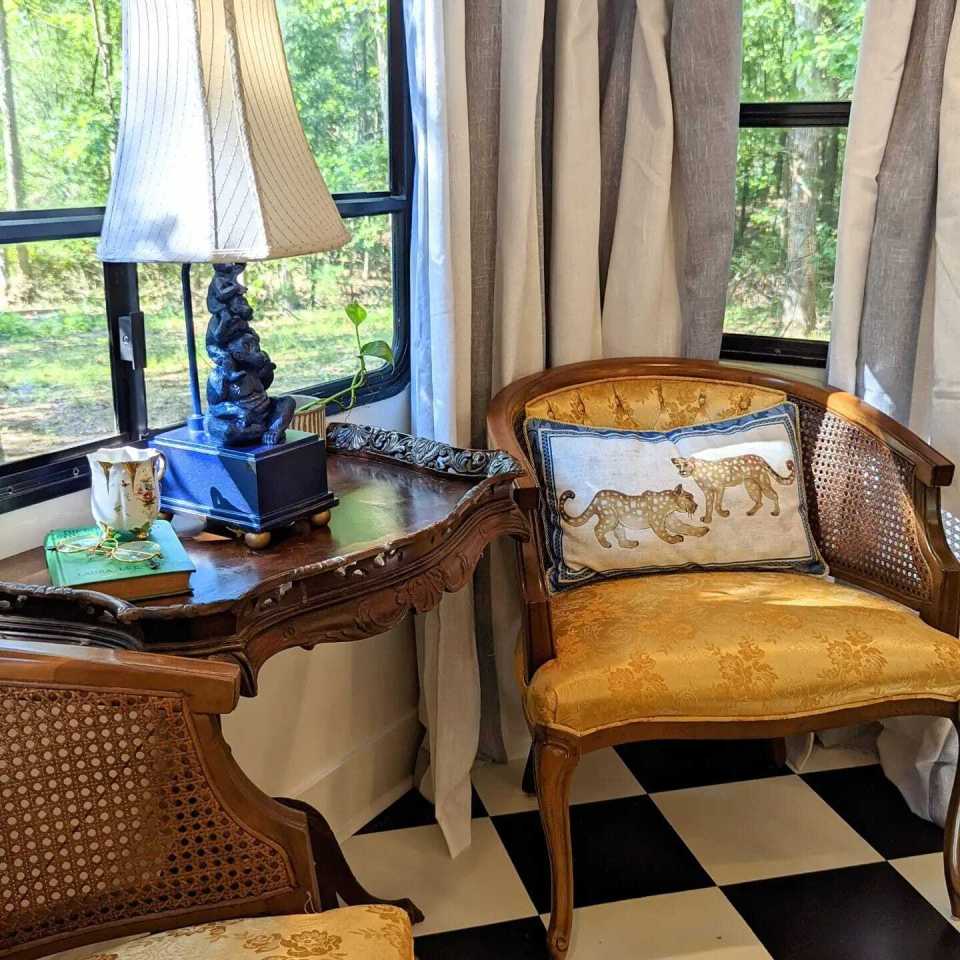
(951, 844)
(529, 783)
(555, 763)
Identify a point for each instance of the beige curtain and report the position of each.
(644, 139)
(895, 337)
(574, 199)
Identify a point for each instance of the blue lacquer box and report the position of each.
(251, 488)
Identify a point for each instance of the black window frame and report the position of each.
(32, 480)
(785, 350)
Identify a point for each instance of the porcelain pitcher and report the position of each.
(125, 489)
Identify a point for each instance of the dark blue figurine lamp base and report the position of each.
(218, 466)
(255, 489)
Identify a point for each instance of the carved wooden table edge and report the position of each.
(361, 594)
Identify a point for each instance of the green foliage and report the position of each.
(793, 50)
(65, 61)
(66, 106)
(371, 349)
(355, 313)
(379, 349)
(800, 49)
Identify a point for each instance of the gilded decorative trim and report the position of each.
(357, 438)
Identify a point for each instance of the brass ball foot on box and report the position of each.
(258, 541)
(320, 519)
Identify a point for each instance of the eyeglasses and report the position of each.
(136, 551)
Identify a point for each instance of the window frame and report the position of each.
(753, 348)
(35, 479)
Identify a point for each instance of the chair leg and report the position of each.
(529, 782)
(555, 762)
(778, 753)
(951, 844)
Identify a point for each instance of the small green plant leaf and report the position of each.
(378, 348)
(311, 405)
(356, 313)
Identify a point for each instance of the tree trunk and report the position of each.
(799, 316)
(17, 280)
(800, 292)
(382, 73)
(830, 164)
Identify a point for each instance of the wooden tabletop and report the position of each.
(379, 504)
(414, 517)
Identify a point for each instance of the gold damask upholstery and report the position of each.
(350, 933)
(652, 403)
(732, 645)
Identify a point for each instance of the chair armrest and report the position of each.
(210, 687)
(505, 411)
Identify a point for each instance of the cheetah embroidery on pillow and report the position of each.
(714, 476)
(651, 510)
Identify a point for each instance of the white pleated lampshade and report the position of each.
(212, 162)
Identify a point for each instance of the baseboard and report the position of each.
(366, 781)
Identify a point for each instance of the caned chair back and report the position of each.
(121, 810)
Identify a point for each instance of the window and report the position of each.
(65, 386)
(799, 63)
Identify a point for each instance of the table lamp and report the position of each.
(213, 166)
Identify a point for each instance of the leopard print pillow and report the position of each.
(712, 496)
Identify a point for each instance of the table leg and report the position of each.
(334, 876)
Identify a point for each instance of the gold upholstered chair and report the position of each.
(715, 655)
(123, 814)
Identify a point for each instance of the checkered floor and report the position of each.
(681, 850)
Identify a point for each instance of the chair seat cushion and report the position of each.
(350, 933)
(732, 645)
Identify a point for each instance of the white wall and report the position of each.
(336, 726)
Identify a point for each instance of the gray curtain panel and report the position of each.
(703, 50)
(705, 55)
(903, 226)
(615, 39)
(483, 26)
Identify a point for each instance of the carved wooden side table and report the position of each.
(414, 518)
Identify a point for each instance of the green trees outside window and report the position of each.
(60, 72)
(788, 177)
(59, 99)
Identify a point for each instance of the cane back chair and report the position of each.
(873, 491)
(123, 814)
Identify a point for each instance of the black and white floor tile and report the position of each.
(682, 851)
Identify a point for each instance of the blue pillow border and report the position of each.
(540, 432)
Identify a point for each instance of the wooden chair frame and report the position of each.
(266, 835)
(923, 471)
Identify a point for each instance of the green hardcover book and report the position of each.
(165, 576)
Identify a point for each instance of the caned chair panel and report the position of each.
(860, 496)
(109, 815)
(121, 809)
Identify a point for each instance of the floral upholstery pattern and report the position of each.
(652, 403)
(350, 933)
(732, 645)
